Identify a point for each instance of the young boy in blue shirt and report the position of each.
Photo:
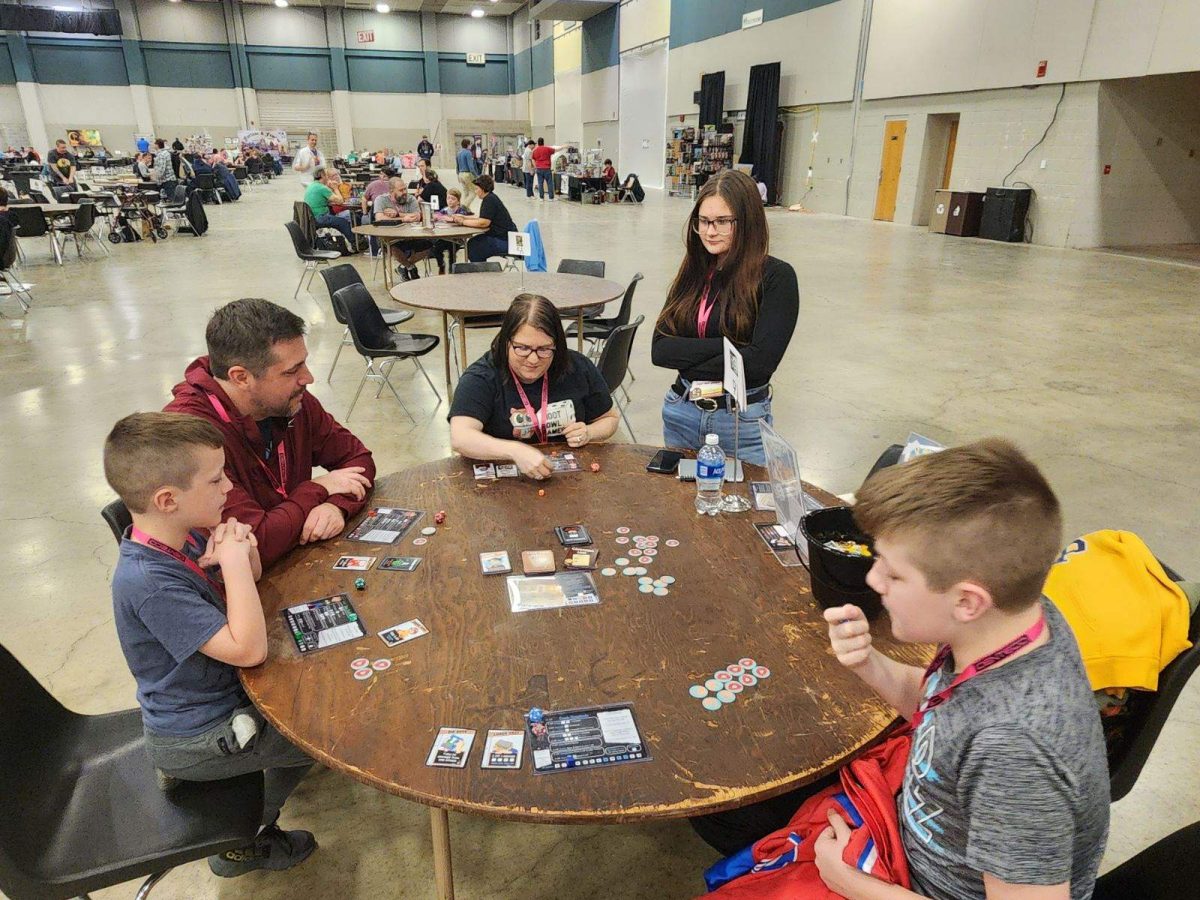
(188, 614)
(1005, 795)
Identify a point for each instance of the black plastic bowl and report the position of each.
(838, 577)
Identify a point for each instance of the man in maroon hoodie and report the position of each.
(253, 387)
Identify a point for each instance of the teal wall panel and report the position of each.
(394, 72)
(289, 68)
(456, 77)
(62, 61)
(22, 59)
(522, 72)
(340, 75)
(8, 75)
(188, 65)
(699, 20)
(542, 64)
(601, 47)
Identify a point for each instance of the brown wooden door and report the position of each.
(889, 169)
(949, 166)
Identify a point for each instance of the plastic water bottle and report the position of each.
(710, 472)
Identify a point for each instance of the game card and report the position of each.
(323, 623)
(563, 462)
(781, 544)
(403, 633)
(400, 563)
(385, 524)
(484, 472)
(354, 563)
(502, 750)
(551, 591)
(572, 535)
(495, 562)
(581, 558)
(764, 499)
(582, 738)
(537, 562)
(508, 470)
(451, 749)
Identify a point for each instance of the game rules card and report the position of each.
(502, 750)
(323, 623)
(451, 749)
(385, 525)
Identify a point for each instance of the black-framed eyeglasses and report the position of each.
(722, 225)
(523, 350)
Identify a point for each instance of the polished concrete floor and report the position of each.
(1088, 360)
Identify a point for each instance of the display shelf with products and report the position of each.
(680, 161)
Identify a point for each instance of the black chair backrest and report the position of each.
(299, 241)
(28, 221)
(240, 173)
(614, 359)
(116, 514)
(85, 218)
(1160, 872)
(367, 328)
(888, 457)
(338, 277)
(206, 182)
(626, 310)
(594, 267)
(33, 718)
(1148, 713)
(469, 268)
(39, 197)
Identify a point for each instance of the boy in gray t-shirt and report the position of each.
(1006, 784)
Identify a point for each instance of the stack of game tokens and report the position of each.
(364, 668)
(659, 587)
(727, 683)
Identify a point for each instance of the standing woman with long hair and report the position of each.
(727, 287)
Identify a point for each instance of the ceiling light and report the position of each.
(382, 8)
(281, 3)
(477, 13)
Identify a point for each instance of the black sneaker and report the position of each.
(273, 849)
(413, 274)
(402, 273)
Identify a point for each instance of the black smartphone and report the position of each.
(664, 461)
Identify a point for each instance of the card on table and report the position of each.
(400, 563)
(581, 558)
(384, 524)
(563, 462)
(782, 546)
(502, 750)
(582, 738)
(354, 563)
(537, 562)
(508, 470)
(485, 472)
(551, 591)
(764, 498)
(495, 562)
(403, 633)
(323, 623)
(572, 535)
(452, 747)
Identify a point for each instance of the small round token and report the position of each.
(363, 674)
(653, 537)
(650, 551)
(418, 542)
(640, 570)
(623, 530)
(645, 560)
(428, 529)
(698, 691)
(361, 663)
(734, 669)
(622, 540)
(735, 687)
(646, 588)
(762, 672)
(381, 665)
(713, 685)
(712, 704)
(645, 579)
(667, 579)
(747, 679)
(747, 663)
(639, 537)
(661, 592)
(629, 570)
(620, 561)
(671, 542)
(723, 676)
(726, 696)
(609, 571)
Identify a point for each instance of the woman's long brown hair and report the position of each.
(740, 279)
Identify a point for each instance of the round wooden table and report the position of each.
(491, 293)
(483, 667)
(458, 235)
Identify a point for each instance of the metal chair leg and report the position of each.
(427, 378)
(296, 292)
(366, 375)
(337, 356)
(625, 419)
(396, 393)
(149, 884)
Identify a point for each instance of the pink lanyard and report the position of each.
(155, 544)
(978, 667)
(539, 418)
(706, 307)
(278, 482)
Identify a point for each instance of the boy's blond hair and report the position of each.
(147, 451)
(981, 512)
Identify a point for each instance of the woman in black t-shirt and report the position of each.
(493, 215)
(727, 287)
(529, 389)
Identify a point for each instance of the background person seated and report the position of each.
(399, 204)
(494, 216)
(317, 195)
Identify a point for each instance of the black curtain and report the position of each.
(762, 112)
(712, 98)
(41, 18)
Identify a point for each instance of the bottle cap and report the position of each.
(710, 439)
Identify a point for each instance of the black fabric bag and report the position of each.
(196, 216)
(635, 187)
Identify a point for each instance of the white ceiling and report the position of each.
(449, 7)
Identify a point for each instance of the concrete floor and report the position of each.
(1088, 360)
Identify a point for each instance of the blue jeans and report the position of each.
(685, 425)
(528, 184)
(341, 224)
(544, 180)
(483, 246)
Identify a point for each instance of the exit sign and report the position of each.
(476, 59)
(366, 37)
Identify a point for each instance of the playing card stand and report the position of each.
(735, 385)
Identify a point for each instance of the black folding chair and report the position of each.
(80, 227)
(614, 363)
(30, 222)
(344, 275)
(486, 321)
(1167, 870)
(313, 259)
(593, 267)
(374, 340)
(83, 810)
(116, 514)
(16, 286)
(206, 184)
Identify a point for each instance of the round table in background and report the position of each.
(458, 235)
(483, 667)
(491, 293)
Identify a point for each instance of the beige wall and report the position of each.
(643, 21)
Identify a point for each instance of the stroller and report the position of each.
(135, 218)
